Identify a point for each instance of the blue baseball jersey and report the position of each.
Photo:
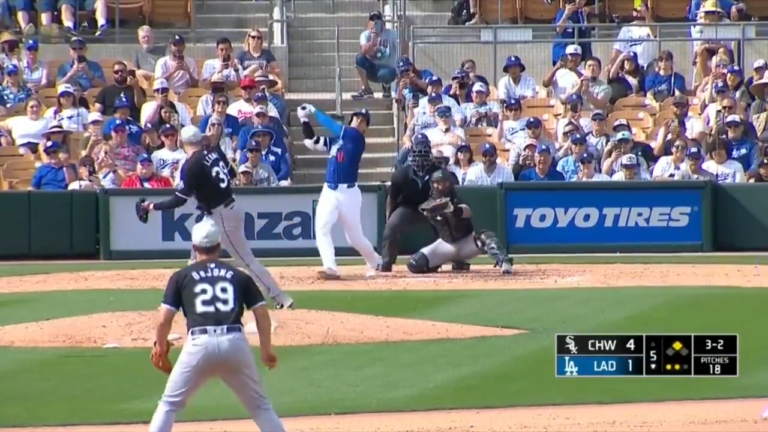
(344, 157)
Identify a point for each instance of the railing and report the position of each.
(442, 48)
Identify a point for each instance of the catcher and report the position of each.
(453, 221)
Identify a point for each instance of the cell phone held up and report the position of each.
(81, 59)
(225, 61)
(132, 74)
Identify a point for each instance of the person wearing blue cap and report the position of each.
(260, 117)
(122, 115)
(420, 121)
(445, 137)
(587, 170)
(125, 152)
(54, 174)
(13, 90)
(435, 86)
(86, 73)
(570, 165)
(277, 158)
(377, 59)
(489, 172)
(411, 84)
(574, 104)
(734, 78)
(664, 82)
(598, 138)
(516, 84)
(543, 170)
(169, 158)
(511, 129)
(744, 148)
(35, 71)
(458, 89)
(145, 176)
(626, 77)
(481, 112)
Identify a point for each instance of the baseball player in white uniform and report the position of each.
(341, 198)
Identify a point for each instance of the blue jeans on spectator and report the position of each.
(83, 5)
(42, 6)
(381, 74)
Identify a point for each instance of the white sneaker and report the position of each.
(373, 271)
(765, 414)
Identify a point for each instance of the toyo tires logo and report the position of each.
(609, 217)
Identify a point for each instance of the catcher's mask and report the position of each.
(420, 157)
(442, 183)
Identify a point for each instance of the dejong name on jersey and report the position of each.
(609, 217)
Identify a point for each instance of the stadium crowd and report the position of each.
(627, 117)
(75, 126)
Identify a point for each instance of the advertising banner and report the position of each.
(272, 221)
(605, 217)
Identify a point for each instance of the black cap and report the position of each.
(86, 161)
(680, 99)
(77, 42)
(763, 162)
(375, 15)
(177, 39)
(441, 175)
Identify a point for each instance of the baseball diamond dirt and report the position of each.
(312, 327)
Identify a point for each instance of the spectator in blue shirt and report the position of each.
(569, 165)
(543, 169)
(664, 82)
(86, 73)
(411, 81)
(122, 113)
(744, 150)
(276, 158)
(260, 118)
(53, 175)
(14, 91)
(570, 25)
(230, 122)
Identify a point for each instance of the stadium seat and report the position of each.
(17, 110)
(76, 144)
(136, 10)
(48, 96)
(668, 10)
(510, 11)
(90, 95)
(16, 170)
(192, 95)
(539, 111)
(635, 103)
(758, 8)
(478, 135)
(637, 119)
(539, 11)
(176, 12)
(20, 184)
(622, 8)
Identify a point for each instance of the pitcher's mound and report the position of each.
(299, 327)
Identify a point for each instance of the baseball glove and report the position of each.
(436, 206)
(160, 358)
(141, 212)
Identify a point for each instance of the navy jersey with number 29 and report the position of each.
(206, 176)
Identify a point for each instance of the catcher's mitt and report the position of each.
(160, 358)
(436, 206)
(141, 212)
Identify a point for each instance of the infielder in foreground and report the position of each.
(458, 240)
(212, 295)
(207, 176)
(341, 198)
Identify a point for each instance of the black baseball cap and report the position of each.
(77, 42)
(177, 39)
(375, 16)
(763, 162)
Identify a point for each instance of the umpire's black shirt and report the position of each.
(211, 293)
(408, 189)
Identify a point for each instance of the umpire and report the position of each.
(409, 188)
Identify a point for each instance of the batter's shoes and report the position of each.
(506, 268)
(328, 274)
(460, 266)
(385, 267)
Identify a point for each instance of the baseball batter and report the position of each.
(213, 295)
(458, 240)
(341, 198)
(207, 176)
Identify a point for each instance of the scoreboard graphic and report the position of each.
(646, 355)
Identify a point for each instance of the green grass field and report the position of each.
(91, 386)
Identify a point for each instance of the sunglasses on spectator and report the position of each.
(568, 132)
(254, 36)
(624, 142)
(162, 91)
(222, 102)
(579, 143)
(78, 49)
(512, 108)
(33, 49)
(727, 107)
(443, 115)
(169, 135)
(119, 71)
(254, 151)
(533, 127)
(261, 115)
(218, 125)
(733, 125)
(679, 146)
(119, 131)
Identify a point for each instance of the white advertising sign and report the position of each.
(271, 221)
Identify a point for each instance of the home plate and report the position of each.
(250, 328)
(111, 345)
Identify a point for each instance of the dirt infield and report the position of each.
(293, 328)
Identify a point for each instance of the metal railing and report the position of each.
(442, 48)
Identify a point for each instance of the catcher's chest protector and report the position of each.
(451, 228)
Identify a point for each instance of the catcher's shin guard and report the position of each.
(486, 241)
(418, 263)
(461, 266)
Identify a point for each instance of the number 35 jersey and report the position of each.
(206, 176)
(211, 293)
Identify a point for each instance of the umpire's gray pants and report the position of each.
(441, 252)
(227, 356)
